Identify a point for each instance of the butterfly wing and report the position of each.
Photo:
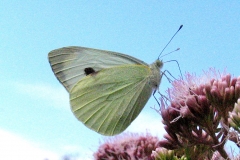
(109, 100)
(68, 63)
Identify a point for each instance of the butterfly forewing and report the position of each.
(109, 100)
(68, 63)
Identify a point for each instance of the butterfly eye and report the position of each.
(89, 70)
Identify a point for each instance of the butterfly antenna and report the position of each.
(170, 40)
(170, 52)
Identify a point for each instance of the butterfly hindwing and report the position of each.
(68, 63)
(108, 100)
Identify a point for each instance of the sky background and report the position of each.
(35, 117)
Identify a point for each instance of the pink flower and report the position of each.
(128, 147)
(198, 111)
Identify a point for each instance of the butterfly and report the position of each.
(107, 89)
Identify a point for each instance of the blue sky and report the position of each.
(36, 121)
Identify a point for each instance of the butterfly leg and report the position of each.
(169, 80)
(155, 97)
(178, 68)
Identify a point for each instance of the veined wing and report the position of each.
(109, 100)
(68, 63)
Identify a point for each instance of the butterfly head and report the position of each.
(158, 63)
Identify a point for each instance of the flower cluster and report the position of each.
(196, 114)
(127, 147)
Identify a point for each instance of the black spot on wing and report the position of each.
(89, 70)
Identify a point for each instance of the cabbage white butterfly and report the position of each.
(107, 89)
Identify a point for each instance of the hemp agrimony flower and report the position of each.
(196, 114)
(127, 147)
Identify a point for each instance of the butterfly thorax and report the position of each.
(155, 77)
